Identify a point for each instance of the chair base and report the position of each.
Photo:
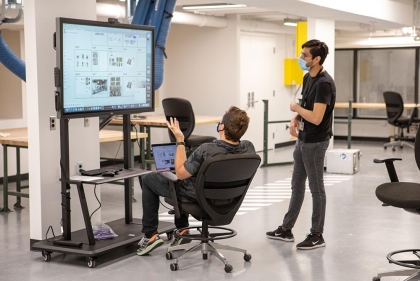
(412, 274)
(206, 246)
(399, 143)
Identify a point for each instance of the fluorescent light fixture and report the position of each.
(213, 6)
(290, 22)
(122, 0)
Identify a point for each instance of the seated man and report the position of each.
(232, 127)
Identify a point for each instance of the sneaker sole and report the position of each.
(150, 248)
(281, 238)
(310, 248)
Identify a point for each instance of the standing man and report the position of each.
(313, 128)
(231, 129)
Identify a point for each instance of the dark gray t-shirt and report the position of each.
(204, 151)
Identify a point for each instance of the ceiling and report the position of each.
(275, 11)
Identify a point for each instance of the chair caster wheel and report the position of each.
(228, 268)
(46, 256)
(169, 235)
(376, 279)
(91, 263)
(169, 256)
(205, 256)
(247, 257)
(174, 266)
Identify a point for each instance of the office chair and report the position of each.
(394, 110)
(221, 185)
(182, 110)
(405, 195)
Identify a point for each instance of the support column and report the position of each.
(44, 145)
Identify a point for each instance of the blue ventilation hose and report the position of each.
(11, 60)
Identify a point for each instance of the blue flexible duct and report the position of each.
(157, 13)
(11, 61)
(162, 36)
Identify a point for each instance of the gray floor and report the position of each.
(359, 232)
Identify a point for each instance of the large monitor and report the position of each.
(103, 68)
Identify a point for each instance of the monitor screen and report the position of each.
(104, 68)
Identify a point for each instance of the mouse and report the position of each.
(108, 174)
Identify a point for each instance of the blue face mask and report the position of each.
(302, 64)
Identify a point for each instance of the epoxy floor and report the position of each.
(359, 233)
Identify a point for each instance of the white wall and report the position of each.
(44, 152)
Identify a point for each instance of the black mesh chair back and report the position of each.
(394, 107)
(222, 183)
(182, 110)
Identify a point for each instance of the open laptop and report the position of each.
(164, 155)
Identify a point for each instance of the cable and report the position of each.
(100, 205)
(48, 230)
(164, 205)
(116, 154)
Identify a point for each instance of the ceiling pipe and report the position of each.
(199, 20)
(265, 27)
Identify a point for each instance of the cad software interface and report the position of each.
(106, 68)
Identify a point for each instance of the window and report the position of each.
(384, 70)
(343, 78)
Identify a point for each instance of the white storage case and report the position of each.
(343, 161)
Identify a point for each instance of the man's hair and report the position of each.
(317, 48)
(236, 123)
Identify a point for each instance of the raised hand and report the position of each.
(173, 125)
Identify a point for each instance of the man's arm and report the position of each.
(315, 116)
(180, 155)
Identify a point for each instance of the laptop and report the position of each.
(164, 155)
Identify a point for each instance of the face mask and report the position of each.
(302, 64)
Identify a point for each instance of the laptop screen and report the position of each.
(164, 155)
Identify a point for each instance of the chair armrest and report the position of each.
(173, 180)
(389, 163)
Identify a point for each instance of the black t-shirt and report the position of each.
(186, 193)
(318, 89)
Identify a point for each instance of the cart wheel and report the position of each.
(247, 257)
(228, 268)
(174, 266)
(91, 262)
(205, 256)
(170, 235)
(169, 256)
(46, 256)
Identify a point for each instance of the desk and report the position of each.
(350, 105)
(18, 138)
(159, 121)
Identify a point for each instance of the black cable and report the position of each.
(48, 230)
(116, 154)
(94, 191)
(137, 135)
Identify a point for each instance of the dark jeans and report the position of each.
(308, 163)
(153, 186)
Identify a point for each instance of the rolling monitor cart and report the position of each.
(91, 78)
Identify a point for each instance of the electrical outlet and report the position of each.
(87, 123)
(79, 165)
(53, 123)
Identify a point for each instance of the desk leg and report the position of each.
(350, 117)
(18, 179)
(5, 182)
(85, 212)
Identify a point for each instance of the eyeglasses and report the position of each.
(304, 56)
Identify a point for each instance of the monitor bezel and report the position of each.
(59, 61)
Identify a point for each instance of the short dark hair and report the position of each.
(317, 48)
(236, 123)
